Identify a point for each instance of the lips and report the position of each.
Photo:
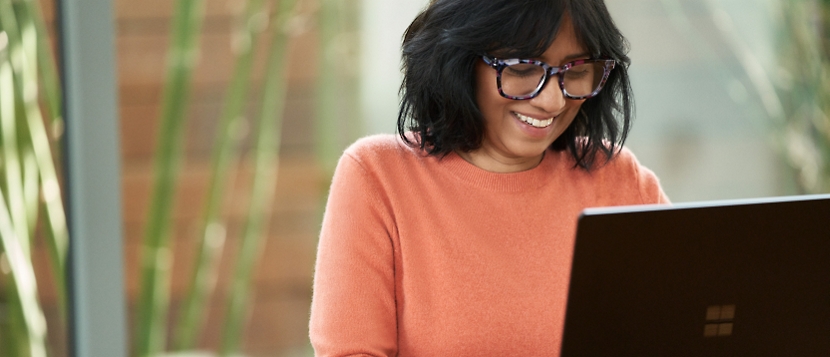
(536, 123)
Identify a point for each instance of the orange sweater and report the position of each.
(423, 256)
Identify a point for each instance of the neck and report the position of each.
(496, 163)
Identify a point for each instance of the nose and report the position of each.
(550, 99)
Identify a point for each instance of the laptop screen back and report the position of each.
(739, 278)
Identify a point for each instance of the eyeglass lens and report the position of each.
(524, 79)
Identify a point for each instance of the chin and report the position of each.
(528, 150)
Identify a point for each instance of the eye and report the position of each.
(581, 71)
(577, 73)
(523, 70)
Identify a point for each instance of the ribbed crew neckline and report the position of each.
(520, 181)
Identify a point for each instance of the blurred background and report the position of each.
(731, 97)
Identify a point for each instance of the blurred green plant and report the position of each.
(802, 83)
(338, 115)
(154, 299)
(151, 330)
(794, 89)
(31, 205)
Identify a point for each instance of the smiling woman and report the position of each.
(517, 132)
(455, 237)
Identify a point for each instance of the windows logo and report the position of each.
(720, 320)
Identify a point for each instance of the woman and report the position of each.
(455, 238)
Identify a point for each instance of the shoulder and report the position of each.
(376, 145)
(623, 177)
(623, 163)
(382, 148)
(379, 146)
(381, 154)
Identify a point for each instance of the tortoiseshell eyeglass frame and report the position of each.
(500, 64)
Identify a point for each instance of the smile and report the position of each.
(534, 122)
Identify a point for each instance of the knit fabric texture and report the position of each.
(429, 256)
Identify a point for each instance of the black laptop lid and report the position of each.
(732, 278)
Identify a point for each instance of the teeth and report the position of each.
(535, 122)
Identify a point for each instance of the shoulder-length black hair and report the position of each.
(443, 43)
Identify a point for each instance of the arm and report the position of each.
(353, 307)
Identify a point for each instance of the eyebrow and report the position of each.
(568, 58)
(577, 56)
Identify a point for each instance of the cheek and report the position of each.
(572, 112)
(576, 104)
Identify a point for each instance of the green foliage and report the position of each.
(29, 188)
(224, 157)
(31, 205)
(803, 86)
(150, 338)
(266, 154)
(151, 330)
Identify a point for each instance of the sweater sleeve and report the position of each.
(353, 306)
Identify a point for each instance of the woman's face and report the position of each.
(510, 143)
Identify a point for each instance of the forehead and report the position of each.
(566, 46)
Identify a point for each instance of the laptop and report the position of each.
(726, 278)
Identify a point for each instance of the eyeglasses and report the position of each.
(521, 79)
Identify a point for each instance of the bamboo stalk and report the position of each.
(337, 119)
(14, 332)
(50, 84)
(31, 189)
(266, 153)
(153, 303)
(213, 227)
(9, 128)
(29, 89)
(13, 340)
(327, 86)
(33, 339)
(57, 235)
(22, 274)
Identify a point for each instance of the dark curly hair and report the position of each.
(443, 43)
